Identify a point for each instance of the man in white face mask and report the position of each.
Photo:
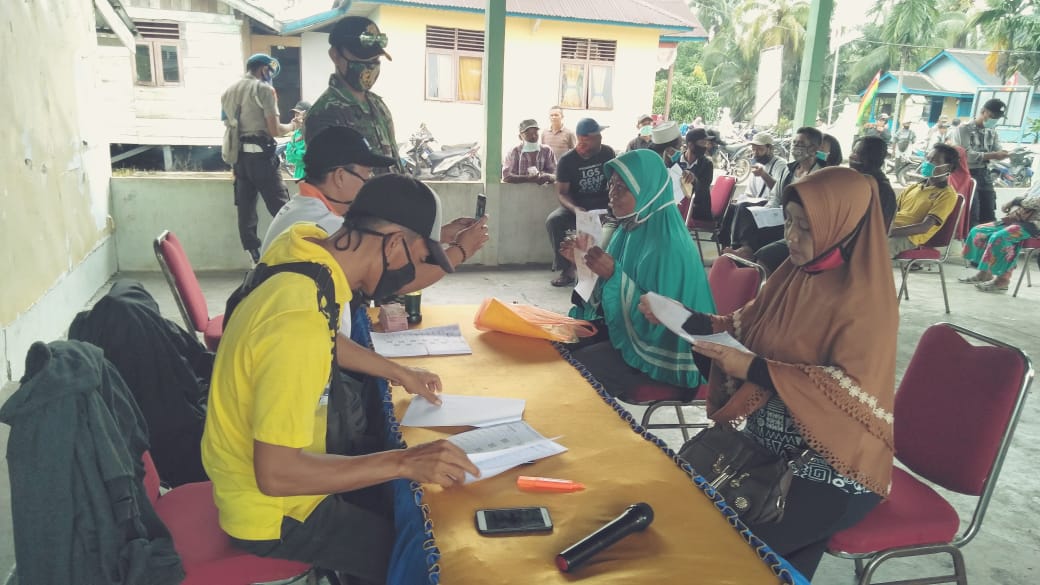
(529, 161)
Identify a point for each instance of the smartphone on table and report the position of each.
(513, 521)
(481, 205)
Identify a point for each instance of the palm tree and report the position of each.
(1010, 25)
(731, 67)
(782, 22)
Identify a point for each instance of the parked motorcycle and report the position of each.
(727, 158)
(906, 168)
(457, 162)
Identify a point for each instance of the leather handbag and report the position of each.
(753, 480)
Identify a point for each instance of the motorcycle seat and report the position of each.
(463, 146)
(439, 156)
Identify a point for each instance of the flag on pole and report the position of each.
(868, 100)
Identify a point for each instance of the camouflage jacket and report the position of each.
(337, 106)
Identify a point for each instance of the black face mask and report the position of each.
(392, 280)
(698, 151)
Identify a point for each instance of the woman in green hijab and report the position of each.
(650, 250)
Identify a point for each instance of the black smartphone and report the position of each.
(513, 521)
(481, 205)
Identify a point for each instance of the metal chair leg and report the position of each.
(942, 280)
(905, 268)
(1025, 271)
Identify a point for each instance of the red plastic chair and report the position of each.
(929, 252)
(205, 550)
(964, 225)
(734, 281)
(721, 194)
(186, 290)
(1030, 247)
(955, 412)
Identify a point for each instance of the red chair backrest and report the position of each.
(953, 407)
(732, 286)
(965, 222)
(151, 477)
(185, 280)
(945, 234)
(721, 193)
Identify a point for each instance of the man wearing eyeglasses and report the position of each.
(356, 49)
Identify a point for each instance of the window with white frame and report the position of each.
(454, 64)
(157, 60)
(587, 74)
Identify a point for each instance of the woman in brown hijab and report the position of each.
(821, 371)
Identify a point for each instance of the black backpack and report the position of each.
(346, 426)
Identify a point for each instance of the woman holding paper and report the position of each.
(649, 250)
(819, 372)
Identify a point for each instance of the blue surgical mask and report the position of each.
(991, 123)
(821, 155)
(676, 157)
(927, 169)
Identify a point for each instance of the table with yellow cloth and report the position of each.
(690, 540)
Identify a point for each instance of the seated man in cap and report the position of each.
(581, 185)
(645, 126)
(699, 172)
(278, 493)
(767, 170)
(529, 161)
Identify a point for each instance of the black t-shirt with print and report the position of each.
(588, 182)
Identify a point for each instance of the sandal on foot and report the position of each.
(564, 280)
(973, 279)
(991, 286)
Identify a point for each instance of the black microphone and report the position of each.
(635, 518)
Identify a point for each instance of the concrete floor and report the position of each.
(1007, 551)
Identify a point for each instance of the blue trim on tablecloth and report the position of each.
(780, 567)
(415, 556)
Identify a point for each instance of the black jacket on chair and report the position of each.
(80, 511)
(166, 369)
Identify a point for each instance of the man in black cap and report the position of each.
(982, 144)
(250, 113)
(280, 492)
(337, 164)
(581, 185)
(356, 49)
(699, 171)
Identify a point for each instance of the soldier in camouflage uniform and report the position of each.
(356, 49)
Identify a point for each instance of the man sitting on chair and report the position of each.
(923, 207)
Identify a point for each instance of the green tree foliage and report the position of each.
(688, 56)
(1011, 29)
(691, 97)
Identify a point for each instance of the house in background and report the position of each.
(593, 59)
(946, 85)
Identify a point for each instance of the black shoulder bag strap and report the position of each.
(342, 431)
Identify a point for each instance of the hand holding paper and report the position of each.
(672, 314)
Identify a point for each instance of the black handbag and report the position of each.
(753, 480)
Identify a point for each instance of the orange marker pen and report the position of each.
(547, 484)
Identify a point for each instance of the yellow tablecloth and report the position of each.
(689, 541)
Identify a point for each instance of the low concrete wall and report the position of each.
(200, 210)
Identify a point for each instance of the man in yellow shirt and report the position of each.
(923, 207)
(277, 494)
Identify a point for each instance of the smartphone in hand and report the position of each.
(481, 205)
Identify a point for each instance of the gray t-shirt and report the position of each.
(256, 101)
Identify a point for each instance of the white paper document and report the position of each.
(500, 448)
(672, 314)
(457, 410)
(444, 340)
(767, 216)
(590, 233)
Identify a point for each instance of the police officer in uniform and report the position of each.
(250, 110)
(356, 49)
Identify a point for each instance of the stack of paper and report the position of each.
(672, 314)
(456, 410)
(500, 448)
(445, 340)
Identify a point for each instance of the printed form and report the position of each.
(498, 449)
(444, 340)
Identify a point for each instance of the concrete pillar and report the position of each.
(816, 34)
(494, 71)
